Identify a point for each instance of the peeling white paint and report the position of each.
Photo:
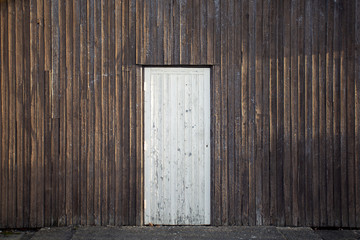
(177, 152)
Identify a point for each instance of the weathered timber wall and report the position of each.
(285, 107)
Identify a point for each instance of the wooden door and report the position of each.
(177, 146)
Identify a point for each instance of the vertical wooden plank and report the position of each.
(176, 32)
(33, 85)
(47, 113)
(55, 84)
(287, 113)
(315, 105)
(322, 113)
(90, 196)
(112, 61)
(336, 114)
(210, 32)
(308, 114)
(237, 110)
(203, 31)
(5, 113)
(1, 114)
(139, 147)
(329, 116)
(132, 147)
(251, 139)
(266, 123)
(224, 109)
(245, 111)
(40, 113)
(294, 113)
(231, 113)
(125, 146)
(104, 191)
(217, 148)
(350, 87)
(301, 111)
(258, 112)
(159, 32)
(19, 114)
(63, 115)
(280, 116)
(69, 112)
(76, 171)
(98, 112)
(132, 102)
(84, 110)
(12, 116)
(27, 112)
(357, 110)
(342, 104)
(118, 113)
(273, 112)
(195, 48)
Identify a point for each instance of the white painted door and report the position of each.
(177, 146)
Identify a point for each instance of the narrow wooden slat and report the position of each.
(5, 113)
(210, 32)
(231, 114)
(69, 112)
(203, 30)
(195, 50)
(350, 87)
(329, 116)
(301, 111)
(237, 110)
(252, 136)
(176, 32)
(97, 113)
(33, 87)
(62, 115)
(280, 116)
(159, 32)
(294, 114)
(27, 111)
(76, 171)
(273, 112)
(315, 165)
(266, 123)
(1, 146)
(343, 138)
(104, 158)
(118, 114)
(111, 96)
(139, 147)
(90, 191)
(84, 112)
(322, 112)
(47, 113)
(19, 113)
(357, 110)
(308, 114)
(216, 210)
(287, 113)
(244, 201)
(12, 116)
(336, 114)
(132, 147)
(223, 112)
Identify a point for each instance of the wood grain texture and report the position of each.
(284, 108)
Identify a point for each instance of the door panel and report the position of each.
(177, 146)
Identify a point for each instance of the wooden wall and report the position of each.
(285, 107)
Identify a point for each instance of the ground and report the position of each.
(103, 233)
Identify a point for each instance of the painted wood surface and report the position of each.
(285, 107)
(177, 146)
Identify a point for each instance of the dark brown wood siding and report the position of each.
(285, 107)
